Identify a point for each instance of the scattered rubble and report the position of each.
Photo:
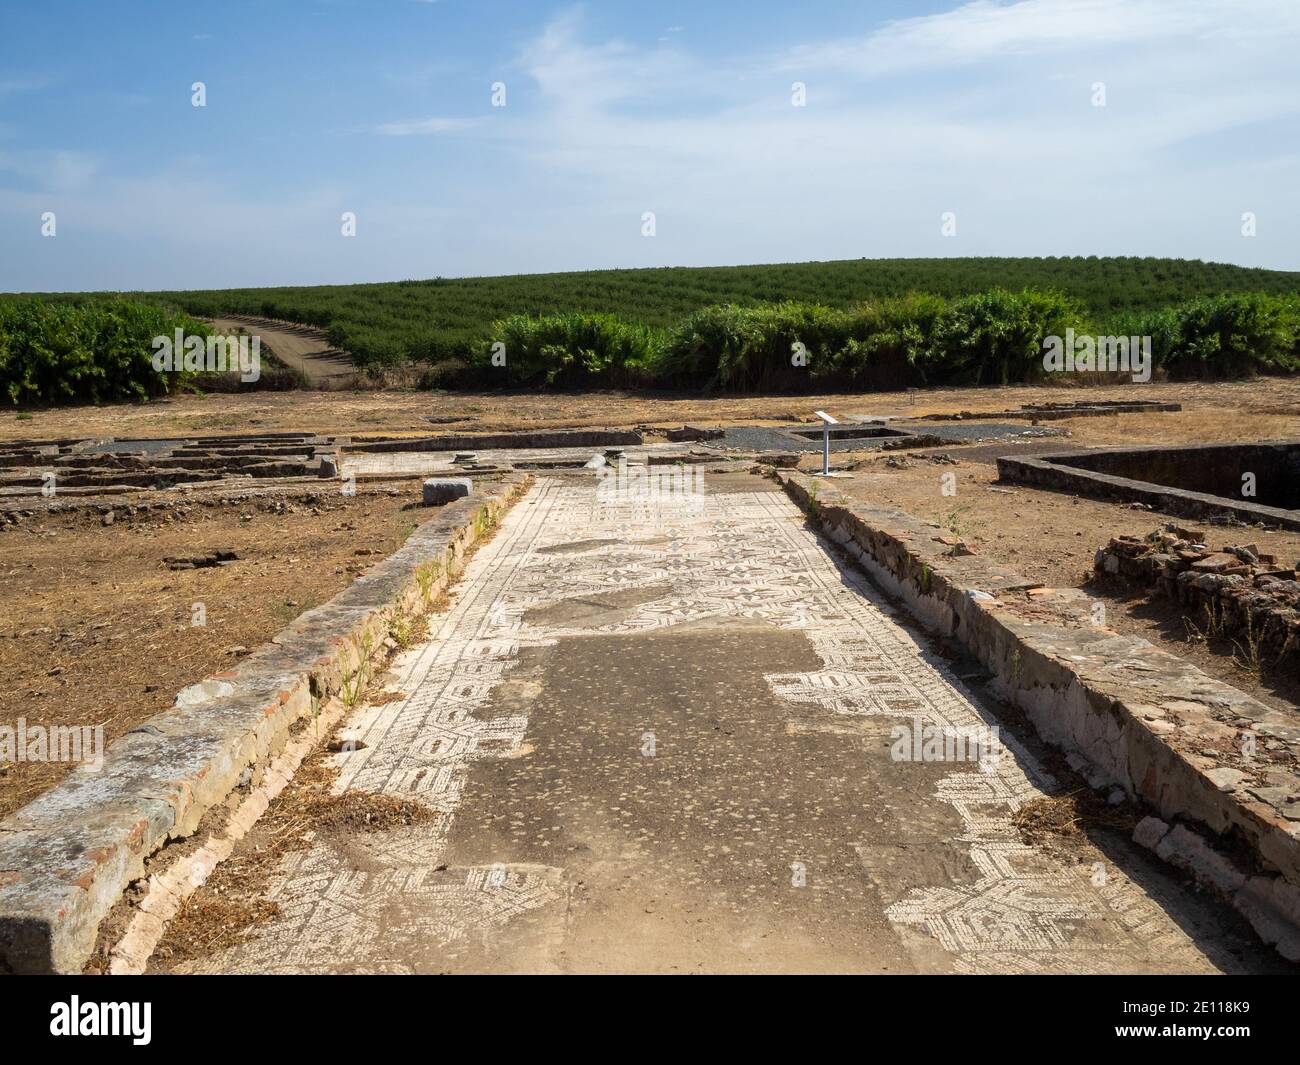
(694, 432)
(1237, 590)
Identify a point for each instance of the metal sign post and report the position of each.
(827, 422)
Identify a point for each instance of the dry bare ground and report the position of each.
(1273, 405)
(97, 629)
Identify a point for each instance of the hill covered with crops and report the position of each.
(885, 323)
(446, 317)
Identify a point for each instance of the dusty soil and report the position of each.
(96, 628)
(1052, 536)
(407, 411)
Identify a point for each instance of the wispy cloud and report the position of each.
(425, 127)
(577, 75)
(998, 30)
(57, 170)
(12, 85)
(1171, 78)
(1001, 129)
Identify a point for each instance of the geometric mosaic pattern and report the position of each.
(1023, 912)
(733, 555)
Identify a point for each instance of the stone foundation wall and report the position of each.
(1212, 469)
(1082, 473)
(494, 441)
(1235, 592)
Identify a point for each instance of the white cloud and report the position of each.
(995, 30)
(579, 77)
(425, 127)
(1001, 129)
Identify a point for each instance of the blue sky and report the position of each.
(383, 108)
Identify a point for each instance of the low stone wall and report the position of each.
(1055, 411)
(66, 857)
(1273, 469)
(1143, 719)
(694, 432)
(1085, 473)
(1100, 409)
(495, 441)
(1233, 592)
(112, 465)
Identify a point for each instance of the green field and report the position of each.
(884, 323)
(444, 318)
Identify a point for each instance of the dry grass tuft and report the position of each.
(1054, 819)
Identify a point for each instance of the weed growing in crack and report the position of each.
(425, 576)
(1246, 650)
(952, 520)
(350, 687)
(354, 682)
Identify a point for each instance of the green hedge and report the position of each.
(453, 314)
(996, 337)
(568, 350)
(993, 337)
(1223, 336)
(90, 352)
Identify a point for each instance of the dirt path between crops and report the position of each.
(300, 347)
(658, 735)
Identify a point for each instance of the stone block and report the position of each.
(1189, 851)
(439, 490)
(1272, 906)
(1149, 832)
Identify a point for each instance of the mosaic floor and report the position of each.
(511, 724)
